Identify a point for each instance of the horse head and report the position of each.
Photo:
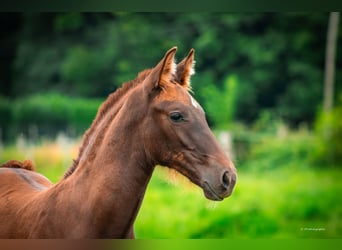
(176, 132)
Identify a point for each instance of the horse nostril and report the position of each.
(225, 180)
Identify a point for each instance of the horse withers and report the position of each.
(152, 120)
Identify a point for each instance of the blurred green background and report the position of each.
(260, 79)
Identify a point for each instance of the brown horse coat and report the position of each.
(150, 120)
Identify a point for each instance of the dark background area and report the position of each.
(276, 59)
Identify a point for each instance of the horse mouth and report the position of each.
(210, 193)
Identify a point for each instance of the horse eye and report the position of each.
(176, 117)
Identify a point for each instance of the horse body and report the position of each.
(84, 205)
(98, 201)
(150, 120)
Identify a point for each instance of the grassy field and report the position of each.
(282, 203)
(285, 202)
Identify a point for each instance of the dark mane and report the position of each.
(103, 110)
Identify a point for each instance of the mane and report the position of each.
(102, 112)
(26, 164)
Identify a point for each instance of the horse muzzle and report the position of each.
(219, 188)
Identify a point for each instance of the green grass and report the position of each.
(281, 203)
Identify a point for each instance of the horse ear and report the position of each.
(185, 69)
(164, 71)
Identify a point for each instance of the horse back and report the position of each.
(19, 188)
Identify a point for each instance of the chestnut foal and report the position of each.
(152, 120)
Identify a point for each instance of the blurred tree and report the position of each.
(221, 103)
(10, 24)
(276, 57)
(328, 128)
(330, 61)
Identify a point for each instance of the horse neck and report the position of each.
(114, 176)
